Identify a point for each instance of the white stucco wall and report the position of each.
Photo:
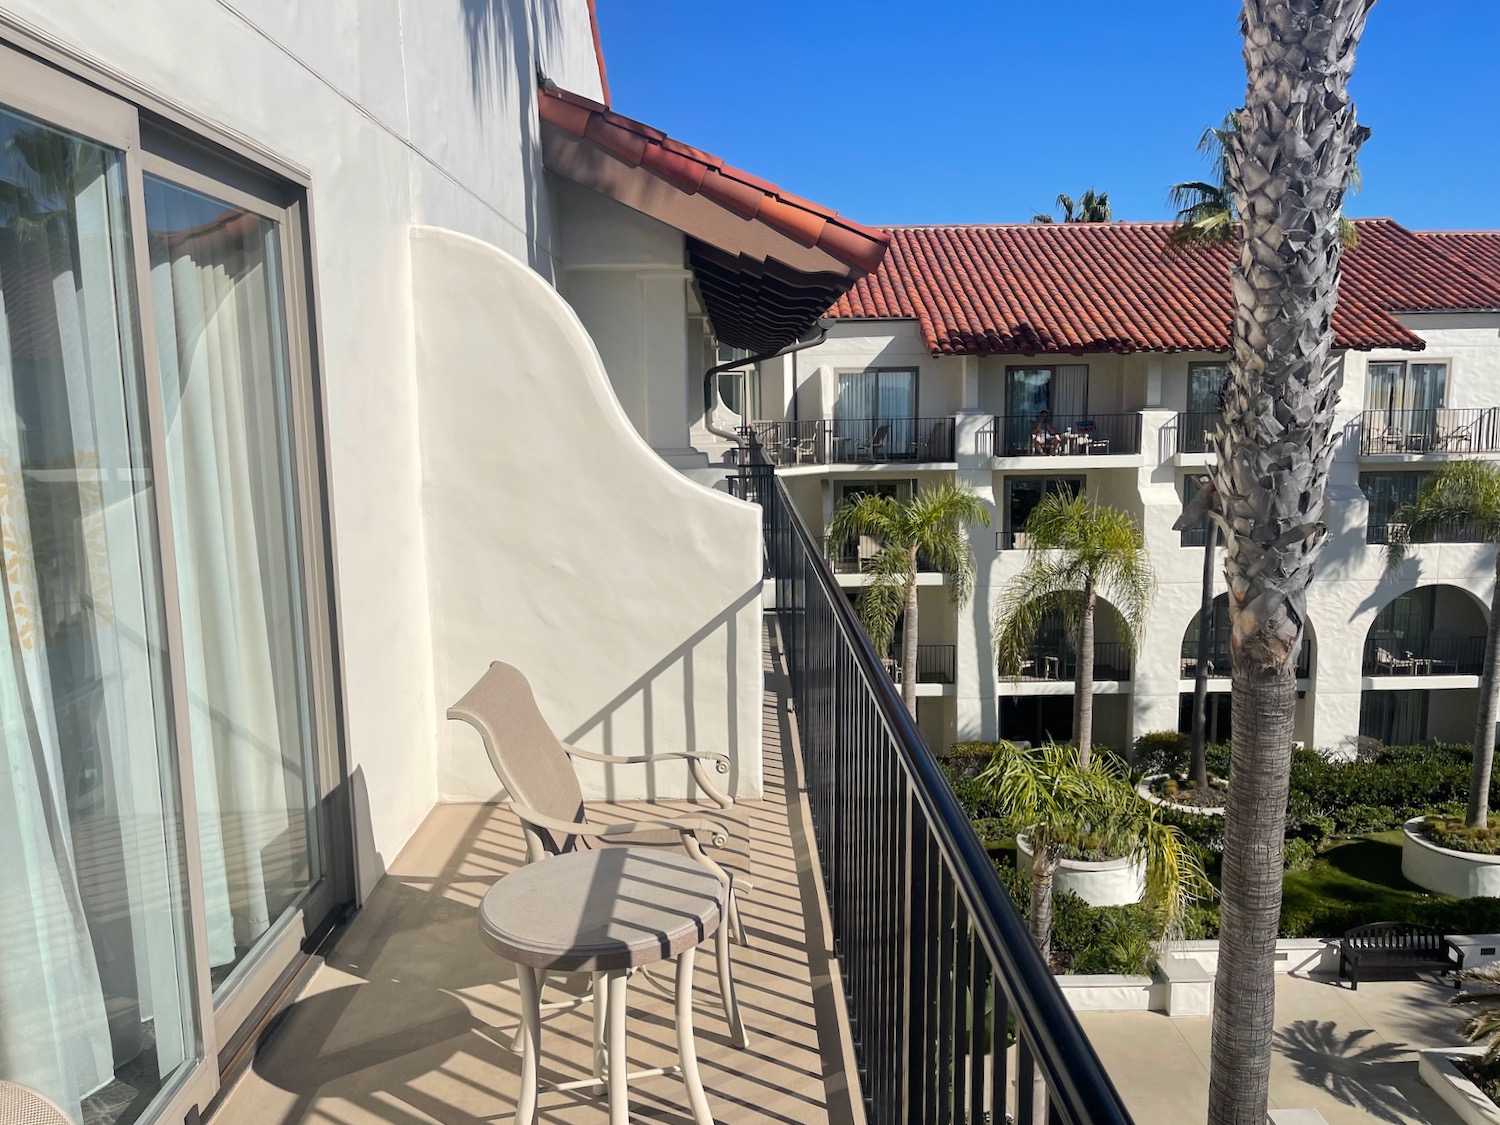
(399, 112)
(559, 542)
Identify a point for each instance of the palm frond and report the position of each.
(883, 600)
(866, 514)
(1043, 589)
(1463, 492)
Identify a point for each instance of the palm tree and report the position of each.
(1288, 162)
(1205, 208)
(1060, 802)
(1196, 515)
(1079, 551)
(1464, 494)
(933, 526)
(1092, 207)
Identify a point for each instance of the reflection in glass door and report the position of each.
(216, 279)
(96, 1006)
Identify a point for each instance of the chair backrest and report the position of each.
(880, 437)
(530, 761)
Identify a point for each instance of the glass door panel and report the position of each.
(216, 278)
(96, 1007)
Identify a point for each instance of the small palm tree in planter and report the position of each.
(1481, 1025)
(1064, 806)
(1463, 494)
(932, 525)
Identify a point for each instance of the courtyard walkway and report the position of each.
(1352, 1056)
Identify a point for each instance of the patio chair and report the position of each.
(867, 449)
(1388, 662)
(1384, 438)
(536, 769)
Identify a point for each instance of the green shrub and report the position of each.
(1093, 939)
(1374, 794)
(1298, 855)
(1161, 751)
(1452, 832)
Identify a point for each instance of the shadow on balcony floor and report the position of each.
(410, 1019)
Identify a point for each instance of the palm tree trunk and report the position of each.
(909, 642)
(1264, 704)
(1484, 725)
(1083, 678)
(1200, 671)
(1288, 163)
(1043, 867)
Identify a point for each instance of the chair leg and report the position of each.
(531, 1026)
(726, 989)
(618, 1078)
(687, 1051)
(541, 986)
(601, 1010)
(740, 933)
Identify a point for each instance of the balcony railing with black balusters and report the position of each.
(1067, 435)
(1056, 661)
(1195, 431)
(1218, 660)
(1441, 430)
(940, 974)
(1436, 655)
(935, 663)
(856, 441)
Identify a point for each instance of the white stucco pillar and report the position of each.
(976, 712)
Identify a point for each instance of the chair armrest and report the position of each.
(694, 758)
(688, 827)
(721, 763)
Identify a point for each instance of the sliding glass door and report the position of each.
(96, 976)
(166, 844)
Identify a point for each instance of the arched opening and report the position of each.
(1219, 720)
(1036, 704)
(1423, 655)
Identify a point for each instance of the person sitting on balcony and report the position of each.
(1044, 435)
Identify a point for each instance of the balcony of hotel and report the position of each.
(1434, 434)
(856, 441)
(886, 976)
(1067, 437)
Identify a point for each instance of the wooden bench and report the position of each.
(1397, 946)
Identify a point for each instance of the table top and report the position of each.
(593, 911)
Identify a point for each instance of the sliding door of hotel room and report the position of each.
(167, 740)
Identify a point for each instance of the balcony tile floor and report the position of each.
(1352, 1056)
(409, 1020)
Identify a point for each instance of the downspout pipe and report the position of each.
(710, 395)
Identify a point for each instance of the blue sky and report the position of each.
(983, 111)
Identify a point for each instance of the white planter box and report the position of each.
(1111, 993)
(1144, 789)
(1435, 1067)
(1444, 871)
(1114, 882)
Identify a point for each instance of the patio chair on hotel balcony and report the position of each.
(536, 769)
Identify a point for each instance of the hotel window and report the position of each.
(1060, 392)
(159, 524)
(875, 415)
(1022, 495)
(1205, 391)
(1388, 493)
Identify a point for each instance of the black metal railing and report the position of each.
(1195, 431)
(939, 971)
(936, 664)
(858, 554)
(1384, 524)
(1469, 430)
(856, 441)
(1056, 661)
(1424, 656)
(1218, 660)
(1067, 435)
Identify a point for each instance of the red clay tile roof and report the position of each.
(696, 172)
(1112, 287)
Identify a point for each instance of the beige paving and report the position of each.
(1349, 1055)
(410, 1019)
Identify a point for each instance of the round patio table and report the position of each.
(606, 913)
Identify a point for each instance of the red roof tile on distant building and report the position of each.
(1038, 288)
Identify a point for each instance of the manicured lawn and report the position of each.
(1359, 871)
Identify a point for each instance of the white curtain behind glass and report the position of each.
(216, 291)
(92, 974)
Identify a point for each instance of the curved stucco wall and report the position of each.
(559, 542)
(1444, 871)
